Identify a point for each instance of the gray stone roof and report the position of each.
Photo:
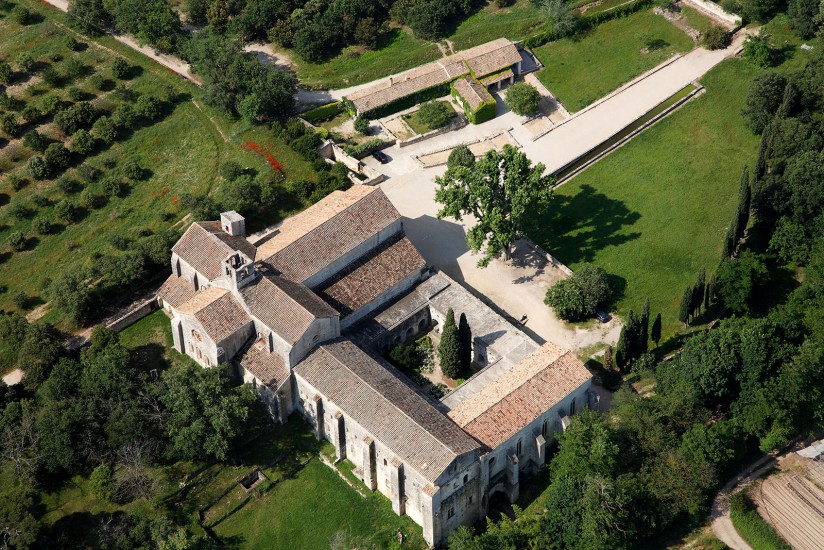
(375, 397)
(176, 291)
(372, 275)
(312, 240)
(217, 310)
(205, 245)
(286, 307)
(480, 61)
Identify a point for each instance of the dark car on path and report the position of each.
(380, 157)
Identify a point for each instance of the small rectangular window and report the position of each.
(544, 428)
(518, 448)
(451, 513)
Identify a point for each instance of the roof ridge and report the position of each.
(383, 397)
(289, 295)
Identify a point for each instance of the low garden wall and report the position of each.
(716, 10)
(423, 137)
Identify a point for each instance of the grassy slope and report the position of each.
(516, 22)
(579, 70)
(182, 152)
(655, 211)
(696, 19)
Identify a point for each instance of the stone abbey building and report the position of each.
(304, 314)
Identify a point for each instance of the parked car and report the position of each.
(380, 157)
(602, 316)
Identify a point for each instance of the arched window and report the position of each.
(572, 407)
(466, 478)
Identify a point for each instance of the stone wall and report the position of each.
(320, 331)
(716, 11)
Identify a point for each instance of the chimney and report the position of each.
(233, 223)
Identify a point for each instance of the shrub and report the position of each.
(37, 167)
(74, 117)
(20, 300)
(5, 73)
(324, 112)
(76, 94)
(125, 116)
(580, 295)
(714, 38)
(52, 77)
(119, 241)
(16, 182)
(31, 113)
(362, 125)
(73, 68)
(435, 114)
(57, 155)
(752, 527)
(82, 142)
(42, 225)
(9, 124)
(757, 49)
(35, 141)
(17, 241)
(149, 107)
(88, 172)
(65, 211)
(121, 69)
(66, 185)
(49, 104)
(101, 482)
(105, 130)
(230, 170)
(363, 149)
(112, 187)
(25, 62)
(132, 170)
(460, 156)
(18, 210)
(39, 200)
(523, 99)
(70, 43)
(21, 15)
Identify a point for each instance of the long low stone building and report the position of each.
(305, 316)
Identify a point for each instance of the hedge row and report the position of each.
(324, 112)
(588, 22)
(360, 151)
(752, 527)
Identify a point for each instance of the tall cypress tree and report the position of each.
(465, 335)
(708, 293)
(744, 200)
(622, 350)
(761, 160)
(644, 336)
(698, 292)
(729, 239)
(788, 102)
(684, 310)
(608, 359)
(449, 350)
(632, 327)
(655, 332)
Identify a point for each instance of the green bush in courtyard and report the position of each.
(435, 114)
(523, 99)
(579, 296)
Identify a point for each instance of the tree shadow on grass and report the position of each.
(574, 229)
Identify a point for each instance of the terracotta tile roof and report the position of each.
(374, 396)
(473, 92)
(480, 60)
(312, 240)
(176, 291)
(286, 307)
(268, 368)
(373, 274)
(520, 395)
(217, 310)
(204, 246)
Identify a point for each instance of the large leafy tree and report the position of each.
(205, 412)
(498, 192)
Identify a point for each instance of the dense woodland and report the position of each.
(650, 467)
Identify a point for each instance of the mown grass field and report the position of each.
(180, 153)
(580, 69)
(695, 19)
(656, 210)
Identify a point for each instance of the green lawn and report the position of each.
(581, 69)
(180, 153)
(655, 211)
(697, 20)
(516, 22)
(356, 65)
